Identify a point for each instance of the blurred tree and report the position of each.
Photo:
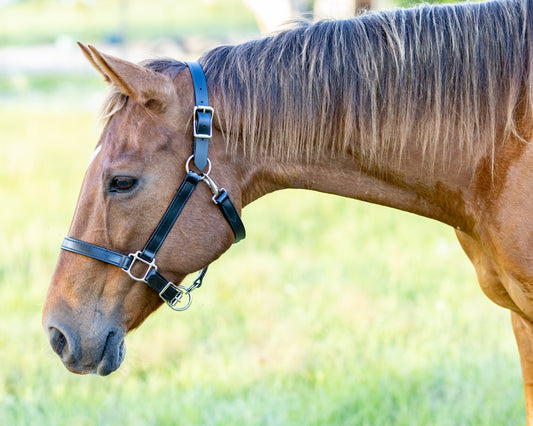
(273, 13)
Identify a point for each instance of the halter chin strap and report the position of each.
(141, 266)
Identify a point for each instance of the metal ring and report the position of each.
(184, 291)
(187, 168)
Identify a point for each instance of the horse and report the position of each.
(427, 110)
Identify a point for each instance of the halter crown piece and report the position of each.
(171, 293)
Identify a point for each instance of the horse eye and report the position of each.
(122, 184)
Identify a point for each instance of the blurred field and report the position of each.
(331, 312)
(42, 21)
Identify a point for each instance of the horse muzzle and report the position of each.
(100, 351)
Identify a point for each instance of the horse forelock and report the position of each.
(449, 79)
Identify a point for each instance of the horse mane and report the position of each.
(435, 76)
(445, 79)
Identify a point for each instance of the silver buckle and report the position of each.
(202, 109)
(151, 266)
(181, 290)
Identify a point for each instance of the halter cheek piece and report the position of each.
(171, 293)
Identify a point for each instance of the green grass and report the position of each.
(46, 21)
(20, 85)
(331, 312)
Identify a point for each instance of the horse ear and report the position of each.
(87, 53)
(144, 86)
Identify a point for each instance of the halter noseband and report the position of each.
(171, 293)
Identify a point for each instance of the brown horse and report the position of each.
(428, 110)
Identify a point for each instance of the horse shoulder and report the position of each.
(487, 270)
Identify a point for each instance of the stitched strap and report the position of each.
(96, 252)
(158, 282)
(203, 116)
(177, 297)
(230, 213)
(199, 83)
(171, 215)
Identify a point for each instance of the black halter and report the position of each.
(172, 294)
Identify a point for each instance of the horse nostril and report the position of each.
(58, 341)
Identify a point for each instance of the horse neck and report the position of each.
(438, 193)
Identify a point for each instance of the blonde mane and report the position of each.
(432, 77)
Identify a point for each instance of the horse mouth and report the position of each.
(113, 354)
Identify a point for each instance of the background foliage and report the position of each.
(38, 21)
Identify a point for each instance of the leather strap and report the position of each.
(96, 252)
(199, 82)
(230, 213)
(203, 116)
(159, 283)
(171, 215)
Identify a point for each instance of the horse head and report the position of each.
(135, 171)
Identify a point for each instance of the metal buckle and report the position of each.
(209, 110)
(215, 190)
(180, 291)
(150, 266)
